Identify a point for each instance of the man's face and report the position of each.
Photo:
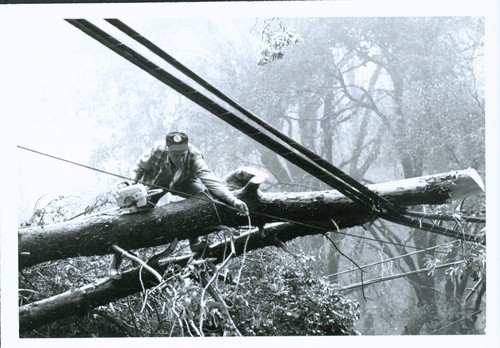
(178, 157)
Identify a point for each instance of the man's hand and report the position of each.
(241, 206)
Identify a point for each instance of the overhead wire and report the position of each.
(214, 202)
(370, 282)
(213, 107)
(313, 164)
(395, 276)
(168, 189)
(389, 260)
(323, 228)
(367, 193)
(337, 173)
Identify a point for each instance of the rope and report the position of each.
(212, 201)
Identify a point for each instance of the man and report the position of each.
(179, 166)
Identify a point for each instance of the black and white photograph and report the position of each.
(271, 172)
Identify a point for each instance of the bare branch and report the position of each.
(138, 260)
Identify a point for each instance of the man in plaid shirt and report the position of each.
(178, 166)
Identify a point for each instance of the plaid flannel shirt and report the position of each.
(155, 164)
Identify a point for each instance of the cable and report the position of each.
(476, 219)
(209, 199)
(388, 260)
(214, 202)
(365, 191)
(219, 111)
(395, 276)
(289, 141)
(387, 211)
(323, 228)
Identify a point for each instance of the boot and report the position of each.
(114, 267)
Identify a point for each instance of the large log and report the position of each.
(79, 301)
(189, 218)
(434, 189)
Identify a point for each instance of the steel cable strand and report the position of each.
(369, 194)
(255, 133)
(381, 206)
(393, 212)
(219, 111)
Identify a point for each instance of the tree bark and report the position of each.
(103, 291)
(95, 235)
(307, 208)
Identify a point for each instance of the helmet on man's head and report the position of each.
(177, 141)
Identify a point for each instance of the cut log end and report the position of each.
(454, 185)
(468, 183)
(460, 184)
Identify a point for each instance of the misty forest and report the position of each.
(382, 233)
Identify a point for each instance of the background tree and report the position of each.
(422, 94)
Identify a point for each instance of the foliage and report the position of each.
(275, 37)
(471, 255)
(291, 301)
(428, 86)
(54, 277)
(269, 294)
(452, 319)
(456, 288)
(49, 210)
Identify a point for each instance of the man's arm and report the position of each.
(140, 167)
(146, 162)
(215, 187)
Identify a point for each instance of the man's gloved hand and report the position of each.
(241, 206)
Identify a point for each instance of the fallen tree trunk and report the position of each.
(80, 301)
(189, 218)
(434, 189)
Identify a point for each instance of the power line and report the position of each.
(368, 199)
(342, 178)
(323, 228)
(210, 105)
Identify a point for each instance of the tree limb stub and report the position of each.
(189, 218)
(138, 260)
